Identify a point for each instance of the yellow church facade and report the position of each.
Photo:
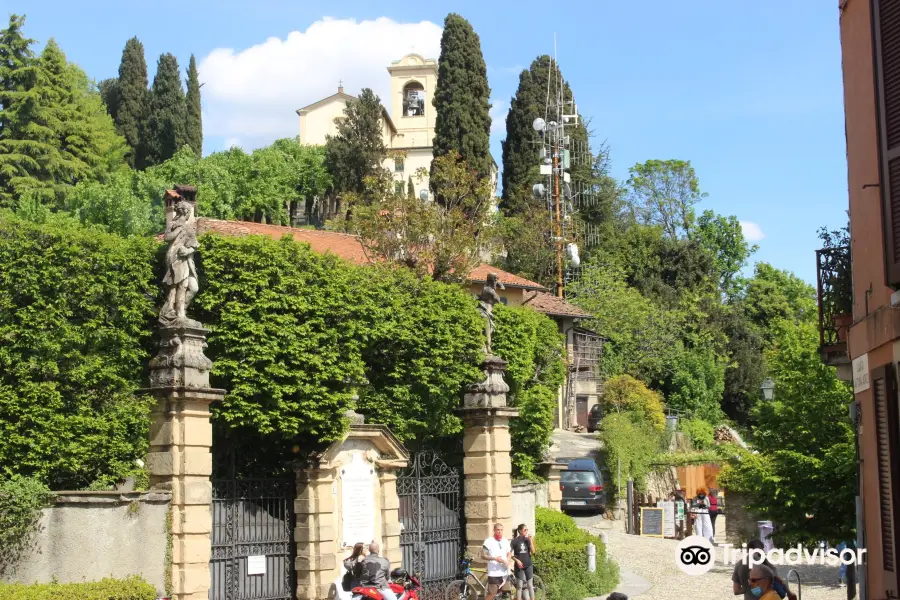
(408, 128)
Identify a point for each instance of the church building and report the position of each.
(409, 127)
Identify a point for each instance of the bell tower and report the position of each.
(413, 80)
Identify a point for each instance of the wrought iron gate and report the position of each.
(431, 542)
(252, 532)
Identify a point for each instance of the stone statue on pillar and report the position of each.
(486, 301)
(492, 391)
(180, 361)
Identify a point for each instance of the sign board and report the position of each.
(256, 565)
(860, 373)
(357, 501)
(652, 522)
(546, 169)
(679, 510)
(668, 507)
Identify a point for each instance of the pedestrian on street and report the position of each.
(498, 554)
(523, 549)
(713, 511)
(762, 583)
(702, 524)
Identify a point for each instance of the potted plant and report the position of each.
(837, 293)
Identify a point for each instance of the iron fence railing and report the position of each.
(834, 296)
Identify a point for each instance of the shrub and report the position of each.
(131, 588)
(627, 394)
(75, 312)
(21, 501)
(634, 442)
(561, 560)
(701, 433)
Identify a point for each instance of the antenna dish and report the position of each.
(538, 124)
(538, 190)
(573, 255)
(423, 195)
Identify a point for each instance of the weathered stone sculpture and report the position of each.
(180, 361)
(181, 272)
(486, 301)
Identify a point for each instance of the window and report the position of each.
(587, 477)
(398, 165)
(503, 300)
(413, 99)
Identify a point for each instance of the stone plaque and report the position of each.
(357, 501)
(860, 373)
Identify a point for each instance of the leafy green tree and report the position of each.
(534, 349)
(664, 192)
(632, 443)
(723, 239)
(194, 119)
(442, 241)
(357, 151)
(625, 394)
(109, 95)
(130, 108)
(462, 99)
(118, 205)
(15, 55)
(746, 367)
(801, 477)
(76, 329)
(774, 294)
(410, 188)
(165, 133)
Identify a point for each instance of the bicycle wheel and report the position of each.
(460, 589)
(540, 593)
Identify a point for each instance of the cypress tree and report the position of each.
(131, 98)
(109, 94)
(521, 166)
(410, 188)
(194, 121)
(461, 99)
(164, 133)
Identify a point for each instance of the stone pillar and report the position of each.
(487, 466)
(390, 516)
(551, 472)
(315, 534)
(179, 458)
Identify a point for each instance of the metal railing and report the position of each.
(835, 301)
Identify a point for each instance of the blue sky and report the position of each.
(749, 92)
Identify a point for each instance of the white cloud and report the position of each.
(752, 231)
(253, 93)
(232, 142)
(499, 110)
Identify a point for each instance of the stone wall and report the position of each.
(86, 536)
(740, 524)
(524, 499)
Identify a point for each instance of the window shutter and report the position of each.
(887, 432)
(886, 47)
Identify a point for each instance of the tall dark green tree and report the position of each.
(128, 100)
(109, 94)
(165, 133)
(461, 99)
(194, 121)
(358, 150)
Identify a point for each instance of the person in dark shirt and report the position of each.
(523, 548)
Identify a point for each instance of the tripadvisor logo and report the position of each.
(695, 555)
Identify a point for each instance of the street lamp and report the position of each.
(768, 389)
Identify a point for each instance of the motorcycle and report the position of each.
(404, 586)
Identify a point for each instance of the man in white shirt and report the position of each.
(498, 554)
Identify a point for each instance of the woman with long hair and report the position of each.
(352, 564)
(523, 548)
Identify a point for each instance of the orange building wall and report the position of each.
(866, 251)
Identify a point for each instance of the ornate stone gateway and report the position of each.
(252, 529)
(431, 541)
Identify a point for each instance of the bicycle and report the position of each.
(471, 587)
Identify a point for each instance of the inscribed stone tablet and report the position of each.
(358, 501)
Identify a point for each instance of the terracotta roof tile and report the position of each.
(349, 248)
(480, 273)
(554, 306)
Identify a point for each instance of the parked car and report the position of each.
(594, 418)
(582, 486)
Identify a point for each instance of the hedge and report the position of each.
(561, 560)
(131, 588)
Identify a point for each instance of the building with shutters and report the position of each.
(860, 324)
